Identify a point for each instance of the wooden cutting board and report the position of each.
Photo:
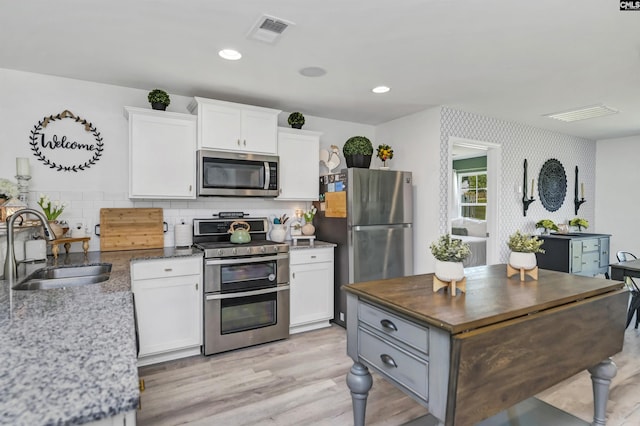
(131, 229)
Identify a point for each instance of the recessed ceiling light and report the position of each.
(380, 89)
(583, 113)
(230, 54)
(313, 72)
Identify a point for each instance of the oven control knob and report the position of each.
(220, 252)
(234, 251)
(263, 249)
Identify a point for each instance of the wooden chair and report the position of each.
(634, 306)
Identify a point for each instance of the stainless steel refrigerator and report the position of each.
(371, 225)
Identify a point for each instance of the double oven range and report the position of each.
(246, 286)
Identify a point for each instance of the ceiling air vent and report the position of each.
(583, 113)
(269, 29)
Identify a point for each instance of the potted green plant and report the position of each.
(296, 120)
(547, 225)
(579, 223)
(159, 99)
(357, 152)
(523, 250)
(449, 253)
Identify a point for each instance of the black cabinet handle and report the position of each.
(388, 325)
(388, 360)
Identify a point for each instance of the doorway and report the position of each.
(474, 194)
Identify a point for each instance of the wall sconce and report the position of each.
(526, 201)
(578, 202)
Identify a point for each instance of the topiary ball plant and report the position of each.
(159, 99)
(296, 120)
(357, 151)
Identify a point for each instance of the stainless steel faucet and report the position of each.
(10, 264)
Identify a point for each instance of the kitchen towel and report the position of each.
(183, 235)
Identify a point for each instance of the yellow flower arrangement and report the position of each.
(385, 152)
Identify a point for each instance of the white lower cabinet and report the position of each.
(311, 288)
(168, 301)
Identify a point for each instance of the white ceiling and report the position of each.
(510, 59)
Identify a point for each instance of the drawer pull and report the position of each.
(168, 269)
(387, 360)
(388, 325)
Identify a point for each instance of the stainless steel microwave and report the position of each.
(236, 174)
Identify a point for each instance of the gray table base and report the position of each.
(530, 412)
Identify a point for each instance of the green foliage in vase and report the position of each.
(525, 243)
(579, 222)
(448, 249)
(357, 145)
(547, 224)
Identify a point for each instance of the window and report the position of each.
(473, 195)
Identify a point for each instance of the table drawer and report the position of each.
(163, 268)
(403, 367)
(590, 245)
(308, 255)
(394, 326)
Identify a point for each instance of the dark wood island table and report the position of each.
(472, 356)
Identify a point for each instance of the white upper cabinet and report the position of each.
(299, 158)
(162, 154)
(235, 127)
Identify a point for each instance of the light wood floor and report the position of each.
(301, 381)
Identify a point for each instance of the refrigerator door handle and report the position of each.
(375, 227)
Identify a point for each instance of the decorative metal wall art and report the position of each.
(552, 185)
(577, 202)
(63, 146)
(526, 201)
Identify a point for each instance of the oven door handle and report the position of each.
(246, 293)
(255, 259)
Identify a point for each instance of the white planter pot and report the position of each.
(522, 260)
(449, 271)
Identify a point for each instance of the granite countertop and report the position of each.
(68, 356)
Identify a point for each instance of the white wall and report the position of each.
(415, 140)
(617, 205)
(27, 98)
(421, 144)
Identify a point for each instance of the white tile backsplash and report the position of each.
(85, 208)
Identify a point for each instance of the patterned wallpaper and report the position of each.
(519, 141)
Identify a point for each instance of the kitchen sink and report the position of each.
(65, 276)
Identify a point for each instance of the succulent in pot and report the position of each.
(523, 250)
(296, 120)
(357, 151)
(159, 99)
(449, 253)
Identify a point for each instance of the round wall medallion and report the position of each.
(552, 185)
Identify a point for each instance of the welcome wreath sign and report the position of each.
(66, 142)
